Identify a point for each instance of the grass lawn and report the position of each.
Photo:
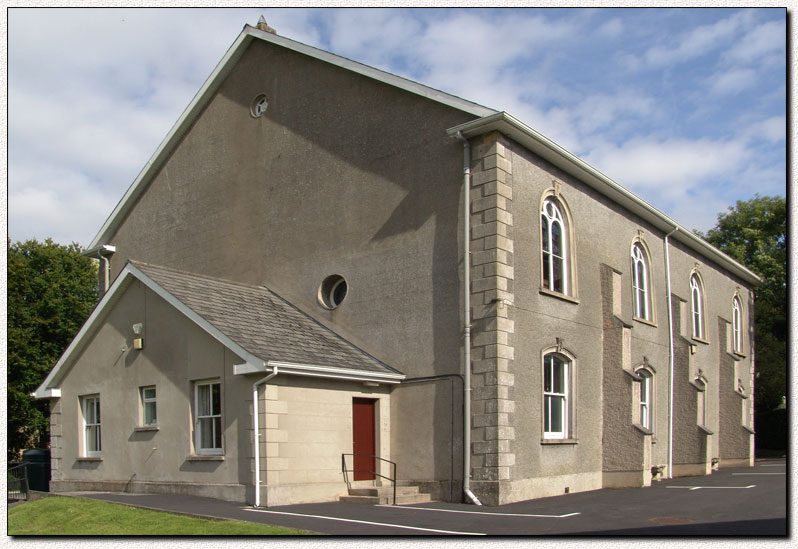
(60, 515)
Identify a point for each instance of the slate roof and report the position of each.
(262, 322)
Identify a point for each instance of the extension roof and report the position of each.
(255, 323)
(486, 120)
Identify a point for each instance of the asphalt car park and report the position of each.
(737, 502)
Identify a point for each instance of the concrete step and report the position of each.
(383, 495)
(387, 500)
(384, 491)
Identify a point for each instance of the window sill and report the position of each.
(147, 428)
(559, 295)
(642, 429)
(747, 428)
(645, 321)
(555, 441)
(700, 340)
(739, 355)
(706, 431)
(95, 458)
(205, 458)
(741, 394)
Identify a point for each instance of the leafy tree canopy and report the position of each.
(52, 289)
(754, 232)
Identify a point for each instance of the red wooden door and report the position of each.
(363, 439)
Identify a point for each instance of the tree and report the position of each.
(754, 232)
(52, 289)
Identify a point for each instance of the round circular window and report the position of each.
(332, 291)
(259, 105)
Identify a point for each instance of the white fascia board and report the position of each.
(212, 330)
(331, 372)
(47, 393)
(211, 85)
(49, 385)
(547, 149)
(248, 368)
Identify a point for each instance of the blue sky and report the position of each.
(684, 107)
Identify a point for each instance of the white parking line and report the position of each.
(368, 522)
(480, 513)
(714, 487)
(747, 474)
(774, 465)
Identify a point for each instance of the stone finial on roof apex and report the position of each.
(262, 25)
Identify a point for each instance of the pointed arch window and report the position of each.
(641, 283)
(697, 306)
(554, 236)
(737, 325)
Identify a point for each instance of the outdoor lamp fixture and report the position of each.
(138, 343)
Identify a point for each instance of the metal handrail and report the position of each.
(18, 482)
(344, 470)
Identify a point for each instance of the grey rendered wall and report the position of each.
(176, 352)
(343, 175)
(604, 233)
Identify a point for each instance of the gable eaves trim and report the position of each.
(212, 84)
(547, 149)
(49, 389)
(178, 130)
(212, 330)
(314, 370)
(377, 74)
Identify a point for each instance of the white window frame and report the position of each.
(92, 425)
(645, 403)
(553, 400)
(145, 401)
(701, 402)
(737, 325)
(551, 215)
(640, 283)
(201, 420)
(697, 306)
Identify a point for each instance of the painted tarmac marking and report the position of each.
(714, 487)
(746, 474)
(480, 513)
(774, 465)
(369, 522)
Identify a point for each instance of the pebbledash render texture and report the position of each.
(285, 287)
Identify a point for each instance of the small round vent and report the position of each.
(332, 291)
(259, 106)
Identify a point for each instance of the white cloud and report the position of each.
(732, 81)
(57, 203)
(773, 129)
(93, 92)
(697, 42)
(760, 41)
(611, 29)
